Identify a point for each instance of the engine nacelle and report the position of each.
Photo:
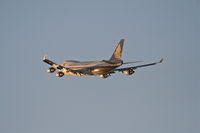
(128, 72)
(60, 74)
(104, 75)
(51, 70)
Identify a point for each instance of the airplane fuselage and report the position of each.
(96, 67)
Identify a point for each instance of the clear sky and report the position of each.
(160, 99)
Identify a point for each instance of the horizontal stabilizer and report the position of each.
(109, 62)
(132, 62)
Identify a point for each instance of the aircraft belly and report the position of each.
(70, 74)
(101, 70)
(95, 68)
(96, 71)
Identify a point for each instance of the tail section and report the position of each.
(118, 51)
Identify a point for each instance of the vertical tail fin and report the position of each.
(118, 51)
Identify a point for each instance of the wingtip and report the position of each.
(45, 57)
(161, 60)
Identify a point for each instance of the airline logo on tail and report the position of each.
(117, 55)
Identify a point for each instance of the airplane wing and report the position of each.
(80, 72)
(135, 67)
(57, 66)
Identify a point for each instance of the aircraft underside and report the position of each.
(102, 71)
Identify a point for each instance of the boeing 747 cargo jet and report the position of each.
(103, 68)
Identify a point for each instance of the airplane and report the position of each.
(103, 68)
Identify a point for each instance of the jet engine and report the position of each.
(104, 75)
(51, 70)
(128, 72)
(60, 74)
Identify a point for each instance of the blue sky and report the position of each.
(162, 98)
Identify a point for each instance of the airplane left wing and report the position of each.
(57, 66)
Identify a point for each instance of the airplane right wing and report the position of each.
(130, 70)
